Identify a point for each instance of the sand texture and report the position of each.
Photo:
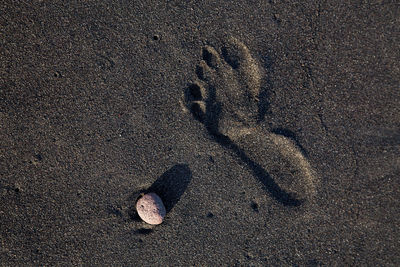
(269, 129)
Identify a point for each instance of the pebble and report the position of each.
(151, 209)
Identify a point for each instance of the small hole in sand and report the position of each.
(254, 206)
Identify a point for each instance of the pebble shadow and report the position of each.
(171, 185)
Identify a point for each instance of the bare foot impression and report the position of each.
(225, 98)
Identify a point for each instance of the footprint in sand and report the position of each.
(225, 99)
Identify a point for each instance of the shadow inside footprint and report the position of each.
(279, 194)
(206, 107)
(172, 184)
(210, 117)
(291, 135)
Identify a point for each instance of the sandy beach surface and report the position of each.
(270, 129)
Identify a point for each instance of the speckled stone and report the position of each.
(151, 208)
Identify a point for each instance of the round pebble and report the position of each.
(151, 208)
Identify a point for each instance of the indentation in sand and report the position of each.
(224, 97)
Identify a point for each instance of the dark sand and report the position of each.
(93, 112)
